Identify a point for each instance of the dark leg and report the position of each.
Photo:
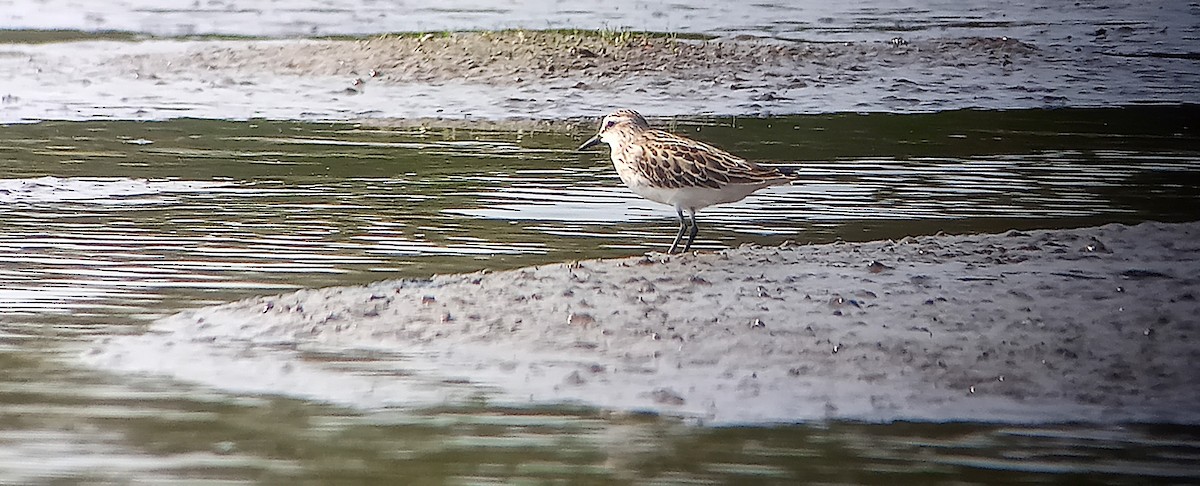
(678, 236)
(692, 234)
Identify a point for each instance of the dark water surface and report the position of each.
(107, 225)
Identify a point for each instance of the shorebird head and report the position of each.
(616, 126)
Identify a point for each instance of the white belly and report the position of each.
(695, 198)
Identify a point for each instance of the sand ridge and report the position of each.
(1095, 324)
(560, 75)
(531, 57)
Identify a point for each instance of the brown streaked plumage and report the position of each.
(678, 171)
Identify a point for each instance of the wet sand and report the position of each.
(531, 75)
(1091, 325)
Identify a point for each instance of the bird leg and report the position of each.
(683, 225)
(692, 234)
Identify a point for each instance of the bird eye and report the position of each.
(609, 124)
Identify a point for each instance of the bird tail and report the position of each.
(789, 171)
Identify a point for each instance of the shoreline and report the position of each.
(1083, 325)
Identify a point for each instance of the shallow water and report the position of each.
(106, 225)
(117, 215)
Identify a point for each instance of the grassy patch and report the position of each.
(614, 37)
(625, 36)
(49, 36)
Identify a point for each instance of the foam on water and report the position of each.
(97, 190)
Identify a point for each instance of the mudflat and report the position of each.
(1094, 324)
(555, 75)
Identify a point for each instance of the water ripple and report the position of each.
(203, 211)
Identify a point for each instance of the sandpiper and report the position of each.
(678, 171)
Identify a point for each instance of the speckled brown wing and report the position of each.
(672, 161)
